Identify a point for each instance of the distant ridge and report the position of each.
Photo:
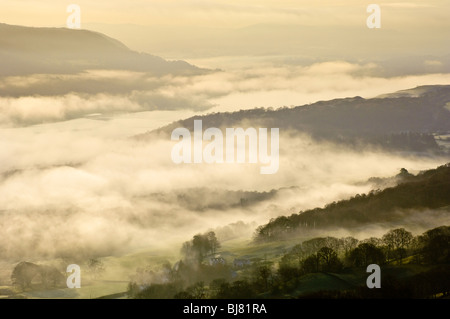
(415, 92)
(29, 50)
(403, 121)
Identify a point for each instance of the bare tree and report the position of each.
(348, 244)
(95, 267)
(214, 243)
(328, 259)
(299, 253)
(397, 240)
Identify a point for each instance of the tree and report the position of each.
(311, 264)
(377, 242)
(333, 243)
(23, 274)
(188, 252)
(214, 286)
(366, 254)
(287, 273)
(262, 275)
(299, 253)
(348, 244)
(240, 289)
(313, 245)
(436, 245)
(200, 246)
(95, 267)
(397, 240)
(26, 273)
(132, 289)
(51, 277)
(325, 254)
(329, 260)
(213, 242)
(196, 291)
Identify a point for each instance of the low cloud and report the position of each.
(74, 184)
(98, 195)
(53, 98)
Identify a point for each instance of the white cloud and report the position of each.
(263, 84)
(67, 191)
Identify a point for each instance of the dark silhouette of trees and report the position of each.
(199, 247)
(366, 254)
(51, 277)
(377, 242)
(264, 280)
(397, 241)
(95, 267)
(348, 244)
(288, 269)
(27, 275)
(328, 259)
(213, 242)
(311, 264)
(263, 275)
(23, 274)
(240, 289)
(435, 245)
(196, 291)
(427, 190)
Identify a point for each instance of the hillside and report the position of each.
(401, 122)
(27, 50)
(429, 190)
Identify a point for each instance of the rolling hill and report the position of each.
(405, 121)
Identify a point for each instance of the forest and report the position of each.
(427, 190)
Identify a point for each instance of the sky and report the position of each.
(220, 13)
(189, 28)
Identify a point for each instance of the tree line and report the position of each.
(201, 245)
(328, 255)
(427, 190)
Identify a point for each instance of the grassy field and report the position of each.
(246, 249)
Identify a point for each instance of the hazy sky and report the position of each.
(194, 30)
(220, 13)
(198, 29)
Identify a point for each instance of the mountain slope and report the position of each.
(428, 191)
(404, 122)
(27, 50)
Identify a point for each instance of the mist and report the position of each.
(85, 173)
(101, 195)
(76, 185)
(106, 94)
